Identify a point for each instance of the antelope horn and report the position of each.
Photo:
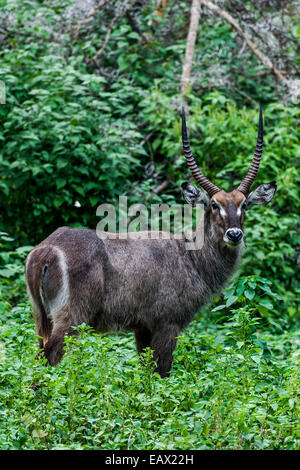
(199, 177)
(250, 177)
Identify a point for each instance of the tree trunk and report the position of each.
(190, 46)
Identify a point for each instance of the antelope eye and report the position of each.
(214, 205)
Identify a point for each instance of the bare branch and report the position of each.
(245, 95)
(264, 59)
(109, 30)
(86, 19)
(160, 188)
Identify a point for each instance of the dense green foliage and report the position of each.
(233, 387)
(74, 130)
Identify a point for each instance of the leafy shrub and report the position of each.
(231, 387)
(12, 282)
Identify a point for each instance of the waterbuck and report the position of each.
(153, 287)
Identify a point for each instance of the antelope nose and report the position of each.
(234, 235)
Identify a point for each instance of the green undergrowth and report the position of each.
(233, 385)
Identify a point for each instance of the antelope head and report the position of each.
(226, 210)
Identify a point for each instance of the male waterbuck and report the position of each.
(153, 287)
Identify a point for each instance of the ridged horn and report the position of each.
(199, 177)
(250, 177)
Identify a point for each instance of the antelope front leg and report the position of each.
(163, 343)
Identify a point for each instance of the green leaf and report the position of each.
(24, 249)
(60, 183)
(256, 359)
(219, 307)
(80, 190)
(266, 303)
(58, 201)
(249, 293)
(231, 300)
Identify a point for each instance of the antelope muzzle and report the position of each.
(233, 236)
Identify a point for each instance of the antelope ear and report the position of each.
(194, 195)
(262, 195)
